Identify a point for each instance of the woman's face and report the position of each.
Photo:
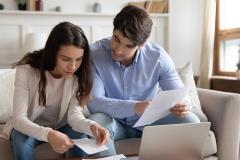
(68, 60)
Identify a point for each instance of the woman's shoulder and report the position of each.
(28, 69)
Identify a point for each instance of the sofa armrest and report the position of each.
(223, 111)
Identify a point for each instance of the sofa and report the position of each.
(222, 110)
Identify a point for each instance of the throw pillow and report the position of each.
(187, 77)
(7, 77)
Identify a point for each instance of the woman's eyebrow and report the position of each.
(64, 56)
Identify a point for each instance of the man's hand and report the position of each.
(140, 107)
(101, 134)
(60, 142)
(180, 109)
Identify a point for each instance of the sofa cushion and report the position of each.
(187, 77)
(5, 149)
(7, 77)
(1, 126)
(210, 146)
(43, 151)
(130, 147)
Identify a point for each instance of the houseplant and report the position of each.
(22, 4)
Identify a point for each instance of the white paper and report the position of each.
(159, 107)
(116, 157)
(89, 145)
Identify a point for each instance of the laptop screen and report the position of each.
(174, 141)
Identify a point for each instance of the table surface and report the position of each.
(128, 158)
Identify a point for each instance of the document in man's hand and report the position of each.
(159, 107)
(89, 145)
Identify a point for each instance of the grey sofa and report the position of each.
(221, 108)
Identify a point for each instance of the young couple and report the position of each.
(116, 77)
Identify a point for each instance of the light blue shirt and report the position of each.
(116, 88)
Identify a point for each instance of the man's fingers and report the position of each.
(182, 114)
(179, 109)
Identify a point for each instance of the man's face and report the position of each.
(123, 49)
(68, 60)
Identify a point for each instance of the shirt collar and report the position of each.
(136, 56)
(134, 61)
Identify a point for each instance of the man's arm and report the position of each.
(114, 107)
(170, 79)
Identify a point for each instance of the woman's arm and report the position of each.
(79, 123)
(20, 106)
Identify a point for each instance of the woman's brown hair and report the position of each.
(63, 34)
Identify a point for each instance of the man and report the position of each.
(128, 71)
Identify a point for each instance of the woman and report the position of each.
(51, 87)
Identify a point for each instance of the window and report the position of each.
(227, 44)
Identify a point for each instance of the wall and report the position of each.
(185, 36)
(185, 24)
(96, 26)
(108, 6)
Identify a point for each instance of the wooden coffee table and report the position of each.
(72, 159)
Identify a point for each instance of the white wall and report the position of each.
(108, 6)
(79, 6)
(9, 4)
(186, 24)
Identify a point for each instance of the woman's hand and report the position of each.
(101, 134)
(180, 109)
(60, 142)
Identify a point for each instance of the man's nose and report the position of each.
(118, 50)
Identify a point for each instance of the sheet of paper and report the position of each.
(89, 145)
(159, 107)
(116, 157)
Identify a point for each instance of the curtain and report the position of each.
(206, 62)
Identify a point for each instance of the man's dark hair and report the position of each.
(134, 23)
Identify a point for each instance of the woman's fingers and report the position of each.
(59, 150)
(69, 143)
(98, 137)
(101, 134)
(105, 137)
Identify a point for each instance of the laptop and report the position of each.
(173, 142)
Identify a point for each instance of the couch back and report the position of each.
(7, 78)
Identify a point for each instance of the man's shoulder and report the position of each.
(100, 50)
(154, 49)
(103, 44)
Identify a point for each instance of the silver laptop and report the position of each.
(173, 142)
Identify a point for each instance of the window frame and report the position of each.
(225, 34)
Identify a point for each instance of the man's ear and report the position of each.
(141, 45)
